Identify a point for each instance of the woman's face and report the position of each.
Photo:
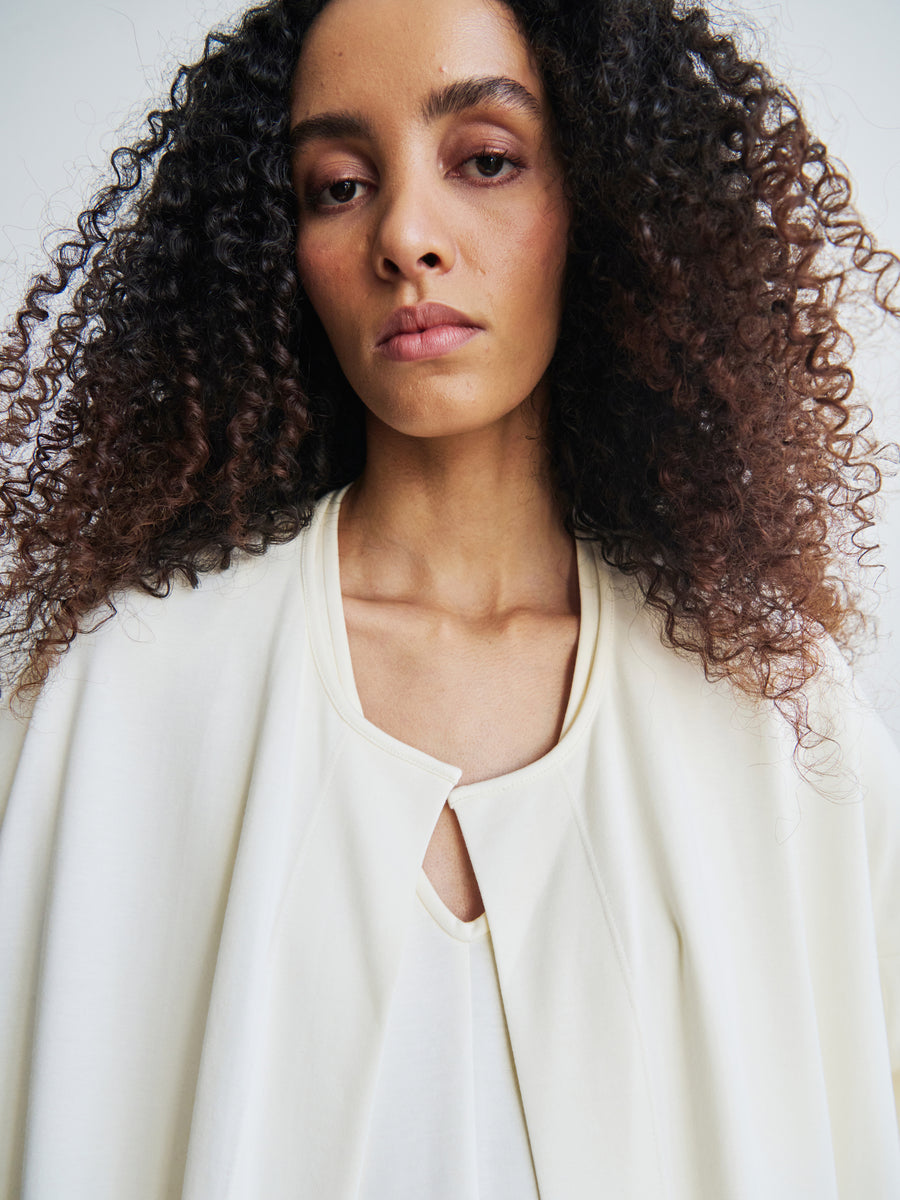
(425, 176)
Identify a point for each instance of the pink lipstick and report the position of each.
(423, 331)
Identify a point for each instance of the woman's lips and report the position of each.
(425, 330)
(426, 343)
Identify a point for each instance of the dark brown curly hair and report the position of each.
(181, 402)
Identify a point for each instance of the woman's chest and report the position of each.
(488, 698)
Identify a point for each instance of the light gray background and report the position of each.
(77, 76)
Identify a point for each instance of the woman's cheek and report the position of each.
(320, 274)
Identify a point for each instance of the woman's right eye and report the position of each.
(337, 194)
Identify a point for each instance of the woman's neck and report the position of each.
(468, 524)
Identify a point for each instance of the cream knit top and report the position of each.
(447, 1119)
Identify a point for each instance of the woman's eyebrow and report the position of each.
(326, 126)
(463, 94)
(450, 100)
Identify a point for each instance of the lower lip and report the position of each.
(427, 343)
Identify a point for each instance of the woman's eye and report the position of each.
(333, 195)
(489, 166)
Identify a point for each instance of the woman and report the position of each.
(435, 850)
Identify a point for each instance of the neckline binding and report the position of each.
(331, 649)
(449, 922)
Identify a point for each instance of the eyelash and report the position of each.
(313, 195)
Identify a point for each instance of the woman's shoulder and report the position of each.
(667, 689)
(252, 587)
(237, 607)
(150, 655)
(165, 675)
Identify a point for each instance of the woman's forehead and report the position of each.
(402, 50)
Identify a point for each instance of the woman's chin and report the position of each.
(447, 417)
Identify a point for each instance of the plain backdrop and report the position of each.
(77, 77)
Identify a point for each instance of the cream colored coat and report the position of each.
(208, 860)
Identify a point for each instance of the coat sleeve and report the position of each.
(13, 730)
(879, 765)
(26, 841)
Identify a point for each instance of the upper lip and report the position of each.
(416, 317)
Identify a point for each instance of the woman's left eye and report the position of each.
(489, 165)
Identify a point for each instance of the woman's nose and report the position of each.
(413, 236)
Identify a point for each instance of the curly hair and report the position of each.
(185, 404)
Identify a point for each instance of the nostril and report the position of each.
(391, 267)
